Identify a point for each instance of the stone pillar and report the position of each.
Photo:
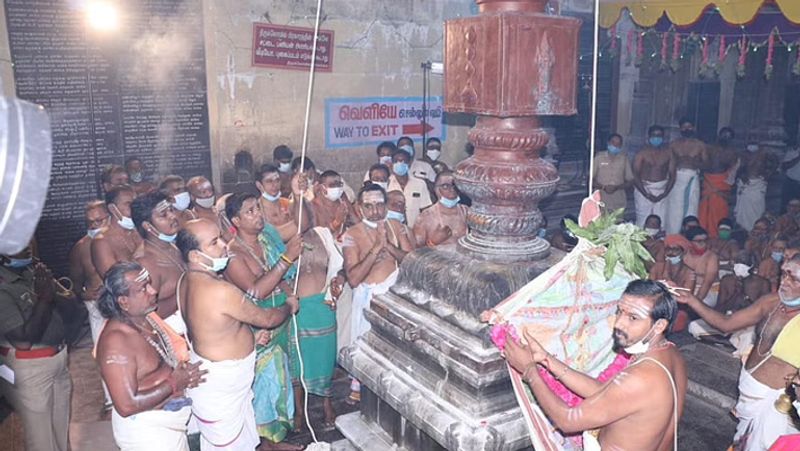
(509, 65)
(727, 89)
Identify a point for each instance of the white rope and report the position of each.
(593, 127)
(300, 216)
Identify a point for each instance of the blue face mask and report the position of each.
(396, 215)
(613, 150)
(792, 303)
(674, 260)
(18, 263)
(449, 203)
(542, 233)
(167, 238)
(777, 256)
(270, 197)
(400, 168)
(656, 141)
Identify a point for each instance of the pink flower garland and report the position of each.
(723, 50)
(740, 66)
(770, 50)
(639, 48)
(676, 51)
(664, 47)
(629, 47)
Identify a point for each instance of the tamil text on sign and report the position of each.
(286, 47)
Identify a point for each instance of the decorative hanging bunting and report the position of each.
(740, 66)
(676, 50)
(770, 51)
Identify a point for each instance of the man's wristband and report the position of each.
(286, 259)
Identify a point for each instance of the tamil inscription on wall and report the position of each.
(135, 90)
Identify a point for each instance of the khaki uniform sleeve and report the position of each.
(10, 315)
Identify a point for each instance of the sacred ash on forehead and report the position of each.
(163, 205)
(373, 197)
(639, 310)
(143, 275)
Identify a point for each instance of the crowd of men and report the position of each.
(190, 293)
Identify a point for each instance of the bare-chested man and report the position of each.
(174, 188)
(640, 407)
(756, 167)
(725, 247)
(279, 212)
(445, 221)
(373, 250)
(655, 240)
(705, 264)
(690, 156)
(113, 176)
(653, 176)
(119, 241)
(203, 197)
(672, 269)
(85, 279)
(774, 356)
(157, 222)
(759, 238)
(136, 174)
(146, 377)
(770, 266)
(218, 316)
(282, 160)
(789, 223)
(330, 208)
(718, 179)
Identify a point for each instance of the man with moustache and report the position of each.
(203, 197)
(113, 176)
(135, 169)
(445, 221)
(373, 250)
(281, 213)
(690, 156)
(330, 209)
(174, 187)
(641, 406)
(385, 150)
(774, 355)
(653, 177)
(414, 188)
(119, 241)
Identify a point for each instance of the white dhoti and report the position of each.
(175, 321)
(683, 200)
(760, 424)
(154, 430)
(644, 207)
(362, 296)
(223, 405)
(751, 202)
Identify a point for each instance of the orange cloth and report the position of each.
(677, 240)
(179, 344)
(714, 202)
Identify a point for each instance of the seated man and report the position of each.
(32, 346)
(725, 248)
(640, 407)
(704, 263)
(145, 376)
(775, 355)
(113, 176)
(655, 240)
(758, 238)
(689, 222)
(446, 220)
(770, 266)
(672, 269)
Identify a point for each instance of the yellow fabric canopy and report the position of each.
(685, 12)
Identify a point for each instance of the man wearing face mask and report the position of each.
(655, 240)
(433, 151)
(690, 156)
(672, 269)
(417, 167)
(113, 176)
(135, 169)
(414, 189)
(330, 208)
(756, 168)
(282, 160)
(774, 355)
(380, 175)
(373, 250)
(385, 150)
(446, 220)
(157, 223)
(203, 197)
(613, 174)
(32, 336)
(725, 247)
(705, 264)
(718, 179)
(279, 212)
(174, 188)
(119, 241)
(218, 316)
(637, 409)
(653, 176)
(770, 266)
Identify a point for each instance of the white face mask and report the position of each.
(370, 224)
(206, 202)
(270, 197)
(386, 160)
(396, 215)
(124, 221)
(217, 263)
(93, 233)
(334, 194)
(741, 270)
(651, 231)
(434, 154)
(641, 346)
(182, 201)
(384, 185)
(285, 167)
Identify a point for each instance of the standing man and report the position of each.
(774, 356)
(445, 221)
(281, 212)
(146, 378)
(653, 176)
(373, 250)
(613, 174)
(113, 176)
(690, 156)
(641, 406)
(32, 346)
(157, 223)
(136, 175)
(380, 175)
(330, 209)
(718, 179)
(203, 197)
(282, 160)
(417, 167)
(414, 189)
(174, 187)
(119, 241)
(219, 316)
(385, 150)
(751, 196)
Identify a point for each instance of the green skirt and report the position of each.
(317, 324)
